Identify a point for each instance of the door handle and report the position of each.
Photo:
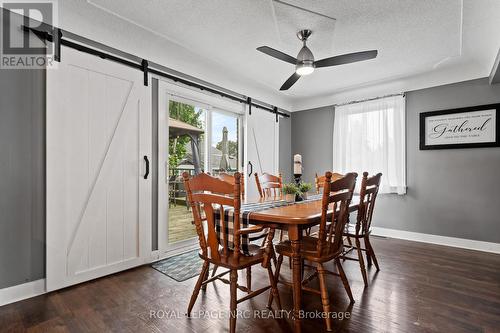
(251, 169)
(146, 174)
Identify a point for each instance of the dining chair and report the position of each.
(216, 196)
(269, 185)
(361, 230)
(320, 180)
(328, 244)
(263, 235)
(230, 179)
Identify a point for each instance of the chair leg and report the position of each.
(349, 241)
(325, 299)
(207, 273)
(249, 279)
(361, 261)
(268, 241)
(302, 264)
(372, 253)
(276, 279)
(344, 279)
(233, 279)
(214, 270)
(197, 287)
(275, 261)
(368, 254)
(281, 235)
(264, 240)
(274, 288)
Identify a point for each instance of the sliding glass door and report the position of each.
(194, 136)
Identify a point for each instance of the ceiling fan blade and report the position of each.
(277, 54)
(290, 82)
(346, 58)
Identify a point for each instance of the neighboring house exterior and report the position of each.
(216, 155)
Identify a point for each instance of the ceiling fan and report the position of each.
(305, 64)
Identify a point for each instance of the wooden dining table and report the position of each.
(294, 219)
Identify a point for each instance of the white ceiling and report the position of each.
(415, 38)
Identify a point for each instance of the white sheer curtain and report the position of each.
(370, 136)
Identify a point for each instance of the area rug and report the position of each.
(180, 267)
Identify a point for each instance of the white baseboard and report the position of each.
(22, 291)
(38, 287)
(439, 240)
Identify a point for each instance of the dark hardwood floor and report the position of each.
(420, 288)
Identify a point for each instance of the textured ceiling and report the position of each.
(413, 37)
(290, 19)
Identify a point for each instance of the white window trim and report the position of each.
(211, 103)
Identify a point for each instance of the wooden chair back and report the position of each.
(336, 195)
(367, 196)
(230, 179)
(210, 193)
(269, 185)
(319, 181)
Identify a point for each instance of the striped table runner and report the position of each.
(245, 211)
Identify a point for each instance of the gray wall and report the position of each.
(450, 192)
(312, 138)
(22, 181)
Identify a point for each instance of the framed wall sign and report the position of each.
(470, 127)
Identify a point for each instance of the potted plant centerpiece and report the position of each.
(304, 188)
(290, 190)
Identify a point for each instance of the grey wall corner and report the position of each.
(495, 71)
(313, 139)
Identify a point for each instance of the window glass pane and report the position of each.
(184, 120)
(224, 154)
(186, 152)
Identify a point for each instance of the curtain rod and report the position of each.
(144, 65)
(368, 99)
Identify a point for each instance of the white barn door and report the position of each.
(261, 139)
(98, 201)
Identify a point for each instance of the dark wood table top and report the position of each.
(301, 213)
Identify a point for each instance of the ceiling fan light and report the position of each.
(304, 69)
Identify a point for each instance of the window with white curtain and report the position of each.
(370, 136)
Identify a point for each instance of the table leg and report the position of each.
(295, 236)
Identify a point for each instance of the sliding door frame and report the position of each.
(170, 91)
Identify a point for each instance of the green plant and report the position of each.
(304, 187)
(232, 145)
(177, 146)
(290, 188)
